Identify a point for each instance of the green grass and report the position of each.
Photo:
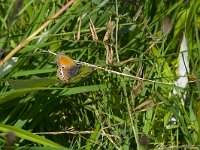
(99, 109)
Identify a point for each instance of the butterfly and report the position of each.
(67, 68)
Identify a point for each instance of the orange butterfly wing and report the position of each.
(65, 61)
(67, 67)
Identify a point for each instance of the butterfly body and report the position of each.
(67, 68)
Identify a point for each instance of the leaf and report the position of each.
(28, 136)
(32, 83)
(32, 72)
(7, 66)
(89, 88)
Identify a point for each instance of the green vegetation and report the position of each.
(99, 109)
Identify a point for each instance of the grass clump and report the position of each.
(124, 95)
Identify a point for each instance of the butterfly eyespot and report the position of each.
(67, 67)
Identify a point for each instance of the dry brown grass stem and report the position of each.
(31, 37)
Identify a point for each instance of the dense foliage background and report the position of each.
(100, 109)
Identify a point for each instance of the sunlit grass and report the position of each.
(99, 109)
